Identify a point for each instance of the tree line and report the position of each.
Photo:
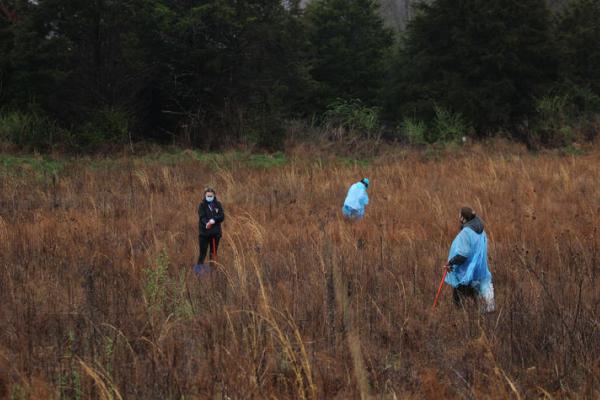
(80, 74)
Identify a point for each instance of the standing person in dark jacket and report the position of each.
(210, 217)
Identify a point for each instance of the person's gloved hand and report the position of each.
(448, 267)
(210, 223)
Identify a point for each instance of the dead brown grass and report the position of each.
(99, 301)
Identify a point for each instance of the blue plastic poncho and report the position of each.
(356, 200)
(474, 271)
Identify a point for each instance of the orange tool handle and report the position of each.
(439, 289)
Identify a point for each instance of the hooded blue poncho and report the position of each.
(474, 272)
(356, 200)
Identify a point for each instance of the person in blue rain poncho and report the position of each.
(467, 263)
(356, 200)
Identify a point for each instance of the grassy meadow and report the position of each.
(98, 299)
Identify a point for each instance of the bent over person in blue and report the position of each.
(467, 264)
(356, 200)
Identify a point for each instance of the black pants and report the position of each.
(206, 241)
(461, 293)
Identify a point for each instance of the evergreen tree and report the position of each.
(6, 44)
(108, 64)
(234, 64)
(105, 66)
(487, 60)
(348, 46)
(84, 63)
(578, 34)
(31, 57)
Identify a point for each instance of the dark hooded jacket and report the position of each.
(206, 212)
(476, 224)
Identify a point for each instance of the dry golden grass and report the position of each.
(99, 301)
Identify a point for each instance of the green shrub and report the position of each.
(28, 131)
(353, 116)
(163, 292)
(156, 282)
(554, 120)
(105, 126)
(448, 127)
(414, 131)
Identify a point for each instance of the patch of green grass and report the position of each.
(266, 160)
(37, 165)
(174, 157)
(102, 164)
(572, 150)
(239, 159)
(167, 158)
(350, 161)
(219, 159)
(44, 166)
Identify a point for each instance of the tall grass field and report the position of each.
(98, 299)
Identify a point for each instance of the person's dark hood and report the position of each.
(476, 224)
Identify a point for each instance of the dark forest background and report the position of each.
(79, 75)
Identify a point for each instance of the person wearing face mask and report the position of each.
(467, 265)
(211, 215)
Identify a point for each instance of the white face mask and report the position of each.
(210, 198)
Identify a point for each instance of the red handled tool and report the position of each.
(440, 288)
(214, 249)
